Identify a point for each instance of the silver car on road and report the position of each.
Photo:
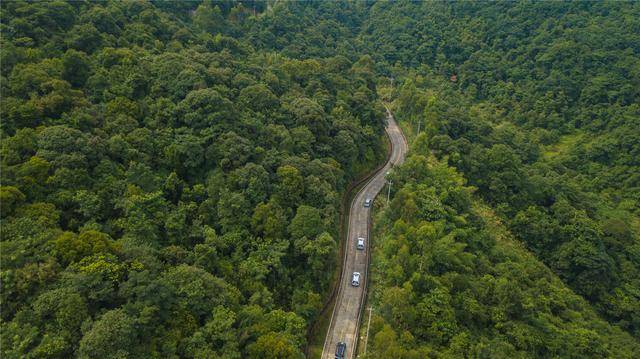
(355, 280)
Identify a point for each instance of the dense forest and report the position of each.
(552, 143)
(450, 281)
(172, 172)
(533, 108)
(168, 188)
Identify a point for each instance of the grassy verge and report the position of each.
(318, 331)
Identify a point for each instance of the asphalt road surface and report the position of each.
(350, 299)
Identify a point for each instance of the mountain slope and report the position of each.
(168, 189)
(450, 281)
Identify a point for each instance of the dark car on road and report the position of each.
(341, 350)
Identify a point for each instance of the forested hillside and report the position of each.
(449, 281)
(168, 188)
(530, 132)
(171, 175)
(306, 29)
(544, 122)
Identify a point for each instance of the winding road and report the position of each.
(349, 301)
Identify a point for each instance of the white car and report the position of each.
(367, 202)
(355, 280)
(360, 243)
